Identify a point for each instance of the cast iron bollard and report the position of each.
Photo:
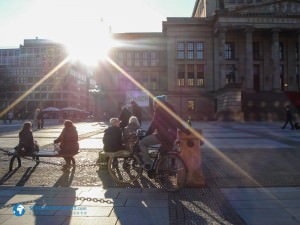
(191, 155)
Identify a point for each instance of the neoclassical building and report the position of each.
(232, 59)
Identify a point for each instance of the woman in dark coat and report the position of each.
(26, 141)
(68, 140)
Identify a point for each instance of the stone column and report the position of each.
(275, 60)
(249, 59)
(298, 62)
(221, 47)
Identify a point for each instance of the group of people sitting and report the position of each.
(162, 130)
(67, 140)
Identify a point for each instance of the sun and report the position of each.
(89, 44)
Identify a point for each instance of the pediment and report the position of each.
(283, 7)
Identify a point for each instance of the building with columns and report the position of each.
(232, 59)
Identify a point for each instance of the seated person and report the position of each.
(68, 140)
(26, 144)
(112, 138)
(129, 133)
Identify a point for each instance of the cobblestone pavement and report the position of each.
(245, 155)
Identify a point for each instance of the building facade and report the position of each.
(232, 59)
(35, 73)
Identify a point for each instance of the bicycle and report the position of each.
(167, 168)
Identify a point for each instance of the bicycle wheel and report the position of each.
(171, 172)
(124, 169)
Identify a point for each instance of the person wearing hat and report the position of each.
(162, 129)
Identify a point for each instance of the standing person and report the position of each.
(124, 117)
(68, 140)
(288, 118)
(112, 139)
(26, 142)
(162, 129)
(40, 120)
(10, 116)
(136, 111)
(35, 119)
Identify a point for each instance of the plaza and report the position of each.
(251, 177)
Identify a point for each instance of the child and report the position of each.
(112, 138)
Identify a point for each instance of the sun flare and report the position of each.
(89, 45)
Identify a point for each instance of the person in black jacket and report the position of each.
(112, 138)
(124, 117)
(162, 130)
(26, 143)
(289, 118)
(68, 140)
(136, 111)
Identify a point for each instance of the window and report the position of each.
(129, 58)
(281, 51)
(199, 50)
(230, 73)
(153, 82)
(190, 50)
(191, 105)
(229, 51)
(200, 75)
(137, 59)
(180, 75)
(145, 59)
(256, 50)
(180, 50)
(120, 58)
(190, 75)
(153, 59)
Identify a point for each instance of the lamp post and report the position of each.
(96, 92)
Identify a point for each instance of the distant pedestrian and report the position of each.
(68, 140)
(10, 116)
(40, 120)
(124, 117)
(35, 119)
(288, 118)
(136, 111)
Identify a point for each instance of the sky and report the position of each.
(68, 20)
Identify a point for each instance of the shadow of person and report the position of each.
(26, 175)
(56, 206)
(201, 206)
(66, 178)
(8, 175)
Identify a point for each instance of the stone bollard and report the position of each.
(191, 155)
(102, 160)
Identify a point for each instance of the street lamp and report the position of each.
(95, 92)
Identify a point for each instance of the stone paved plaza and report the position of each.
(252, 173)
